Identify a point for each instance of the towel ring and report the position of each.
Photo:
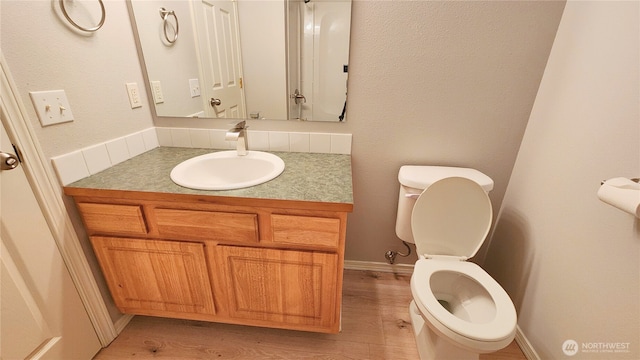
(164, 14)
(104, 15)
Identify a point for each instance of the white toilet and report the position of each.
(458, 310)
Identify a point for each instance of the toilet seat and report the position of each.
(488, 336)
(450, 221)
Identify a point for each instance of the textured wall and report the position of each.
(438, 83)
(569, 261)
(45, 53)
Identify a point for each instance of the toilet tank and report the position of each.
(414, 179)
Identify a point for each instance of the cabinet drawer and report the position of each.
(305, 230)
(207, 225)
(111, 218)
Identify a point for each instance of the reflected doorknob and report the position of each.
(215, 102)
(297, 97)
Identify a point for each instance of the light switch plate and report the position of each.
(134, 95)
(52, 107)
(194, 87)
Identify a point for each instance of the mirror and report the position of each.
(245, 59)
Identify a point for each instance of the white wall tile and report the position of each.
(135, 144)
(118, 151)
(70, 167)
(279, 141)
(180, 137)
(341, 144)
(258, 140)
(299, 142)
(320, 143)
(164, 136)
(96, 158)
(150, 138)
(200, 138)
(218, 141)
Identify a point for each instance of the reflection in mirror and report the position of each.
(259, 59)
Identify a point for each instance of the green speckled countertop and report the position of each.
(306, 177)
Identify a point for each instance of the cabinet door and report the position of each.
(155, 277)
(281, 288)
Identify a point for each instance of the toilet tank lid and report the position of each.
(420, 177)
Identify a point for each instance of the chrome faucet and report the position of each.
(239, 135)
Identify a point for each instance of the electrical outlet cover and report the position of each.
(52, 107)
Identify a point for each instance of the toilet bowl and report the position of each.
(463, 304)
(458, 310)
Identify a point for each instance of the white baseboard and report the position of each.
(121, 323)
(528, 350)
(378, 266)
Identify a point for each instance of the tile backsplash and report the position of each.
(81, 163)
(258, 140)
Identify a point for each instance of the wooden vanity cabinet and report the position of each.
(269, 263)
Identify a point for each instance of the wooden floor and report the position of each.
(375, 325)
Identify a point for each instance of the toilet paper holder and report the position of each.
(622, 193)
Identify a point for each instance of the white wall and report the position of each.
(45, 53)
(569, 261)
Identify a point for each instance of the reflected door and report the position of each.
(318, 56)
(220, 59)
(294, 30)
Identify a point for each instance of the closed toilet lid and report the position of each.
(452, 217)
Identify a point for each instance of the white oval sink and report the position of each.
(225, 170)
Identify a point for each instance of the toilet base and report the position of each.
(430, 345)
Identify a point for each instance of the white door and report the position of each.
(41, 314)
(221, 61)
